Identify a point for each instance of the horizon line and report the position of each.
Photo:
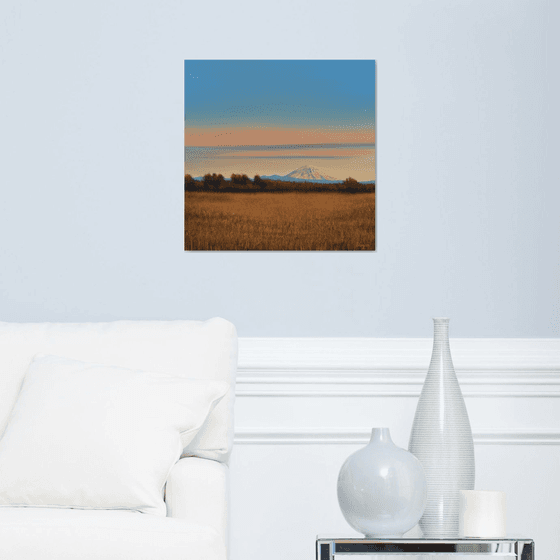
(281, 176)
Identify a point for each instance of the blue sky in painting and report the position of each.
(279, 92)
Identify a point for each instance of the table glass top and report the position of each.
(362, 539)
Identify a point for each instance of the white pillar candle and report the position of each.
(482, 514)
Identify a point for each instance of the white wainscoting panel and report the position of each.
(304, 404)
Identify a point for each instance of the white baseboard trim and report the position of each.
(360, 436)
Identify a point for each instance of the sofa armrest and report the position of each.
(197, 490)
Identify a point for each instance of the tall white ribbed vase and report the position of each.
(441, 439)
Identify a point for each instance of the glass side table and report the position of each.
(331, 548)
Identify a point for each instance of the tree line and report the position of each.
(242, 183)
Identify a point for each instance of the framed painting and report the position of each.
(280, 155)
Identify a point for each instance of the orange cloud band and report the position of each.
(249, 136)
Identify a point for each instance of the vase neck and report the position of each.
(441, 353)
(441, 332)
(380, 435)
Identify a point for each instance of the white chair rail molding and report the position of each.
(303, 405)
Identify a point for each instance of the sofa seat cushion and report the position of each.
(28, 533)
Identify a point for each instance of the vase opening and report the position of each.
(381, 435)
(441, 326)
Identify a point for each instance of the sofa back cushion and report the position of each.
(192, 349)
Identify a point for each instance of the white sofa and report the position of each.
(196, 493)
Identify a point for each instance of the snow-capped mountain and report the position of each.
(304, 173)
(309, 173)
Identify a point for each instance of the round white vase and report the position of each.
(442, 440)
(382, 488)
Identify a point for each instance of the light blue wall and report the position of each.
(91, 169)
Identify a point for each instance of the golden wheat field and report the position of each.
(279, 221)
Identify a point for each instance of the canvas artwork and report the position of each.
(280, 155)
